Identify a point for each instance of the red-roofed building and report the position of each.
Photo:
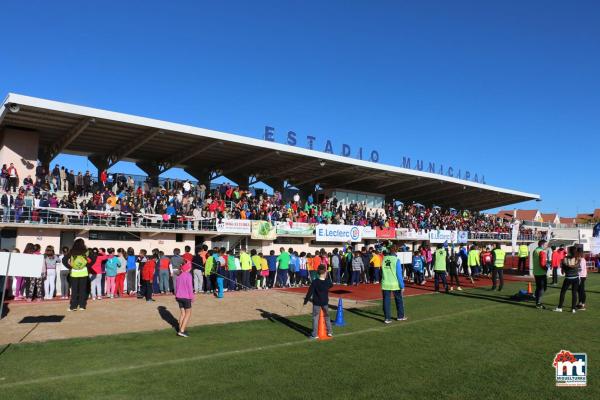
(584, 218)
(528, 215)
(551, 218)
(568, 220)
(506, 214)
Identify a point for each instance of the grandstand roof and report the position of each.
(73, 129)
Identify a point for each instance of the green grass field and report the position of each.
(473, 345)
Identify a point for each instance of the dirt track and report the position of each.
(110, 316)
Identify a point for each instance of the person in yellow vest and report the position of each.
(523, 256)
(498, 257)
(473, 261)
(439, 267)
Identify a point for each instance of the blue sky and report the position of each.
(509, 89)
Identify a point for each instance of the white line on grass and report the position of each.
(229, 353)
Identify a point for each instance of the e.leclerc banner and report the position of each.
(338, 233)
(441, 236)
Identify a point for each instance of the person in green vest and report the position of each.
(392, 283)
(473, 261)
(78, 262)
(246, 265)
(440, 258)
(539, 259)
(523, 255)
(498, 256)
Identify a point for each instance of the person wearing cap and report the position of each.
(184, 295)
(539, 272)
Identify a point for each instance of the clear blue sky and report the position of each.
(510, 89)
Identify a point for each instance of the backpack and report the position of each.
(78, 262)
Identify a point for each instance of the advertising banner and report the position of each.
(26, 265)
(462, 237)
(263, 230)
(295, 228)
(385, 233)
(405, 257)
(338, 233)
(241, 226)
(368, 232)
(441, 236)
(514, 236)
(410, 234)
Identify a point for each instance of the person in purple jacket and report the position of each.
(184, 295)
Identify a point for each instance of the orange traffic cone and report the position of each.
(322, 332)
(529, 288)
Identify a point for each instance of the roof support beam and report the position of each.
(61, 144)
(394, 182)
(454, 190)
(365, 177)
(285, 174)
(317, 178)
(133, 145)
(105, 161)
(187, 155)
(230, 169)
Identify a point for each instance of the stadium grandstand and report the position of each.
(43, 202)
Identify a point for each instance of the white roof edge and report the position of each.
(172, 126)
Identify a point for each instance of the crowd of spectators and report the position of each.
(177, 200)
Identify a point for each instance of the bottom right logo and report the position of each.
(571, 368)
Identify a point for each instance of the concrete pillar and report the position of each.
(20, 148)
(306, 190)
(202, 175)
(100, 163)
(242, 180)
(152, 169)
(276, 184)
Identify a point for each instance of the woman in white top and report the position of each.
(51, 262)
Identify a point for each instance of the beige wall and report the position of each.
(43, 237)
(21, 149)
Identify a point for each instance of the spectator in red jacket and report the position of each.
(557, 256)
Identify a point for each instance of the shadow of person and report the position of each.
(168, 317)
(285, 321)
(5, 310)
(366, 314)
(496, 299)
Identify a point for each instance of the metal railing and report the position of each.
(102, 219)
